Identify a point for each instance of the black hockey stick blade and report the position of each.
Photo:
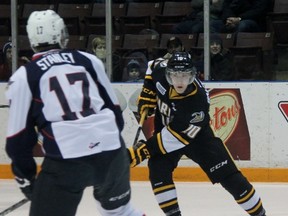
(142, 119)
(13, 207)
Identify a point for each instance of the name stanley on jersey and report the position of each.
(51, 59)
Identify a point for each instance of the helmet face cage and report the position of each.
(46, 28)
(188, 75)
(180, 65)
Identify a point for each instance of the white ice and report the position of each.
(195, 199)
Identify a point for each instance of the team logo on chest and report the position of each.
(197, 117)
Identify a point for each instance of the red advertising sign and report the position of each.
(283, 106)
(228, 121)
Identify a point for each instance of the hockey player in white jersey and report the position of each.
(67, 96)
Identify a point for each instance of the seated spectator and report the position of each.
(221, 61)
(133, 71)
(137, 54)
(99, 49)
(173, 44)
(6, 66)
(245, 15)
(194, 23)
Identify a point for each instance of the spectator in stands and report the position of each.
(99, 49)
(173, 44)
(245, 15)
(134, 73)
(6, 66)
(194, 22)
(221, 61)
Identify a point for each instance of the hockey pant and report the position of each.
(60, 185)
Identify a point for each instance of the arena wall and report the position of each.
(251, 118)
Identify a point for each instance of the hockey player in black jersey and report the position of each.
(182, 128)
(67, 95)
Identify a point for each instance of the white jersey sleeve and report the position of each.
(19, 96)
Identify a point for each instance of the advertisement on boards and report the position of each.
(228, 120)
(251, 119)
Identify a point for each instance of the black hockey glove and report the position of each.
(138, 153)
(26, 186)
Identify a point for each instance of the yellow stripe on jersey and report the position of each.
(148, 77)
(147, 99)
(178, 136)
(160, 143)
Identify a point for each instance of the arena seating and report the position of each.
(86, 19)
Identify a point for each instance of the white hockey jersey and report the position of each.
(68, 97)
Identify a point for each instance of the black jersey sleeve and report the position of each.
(147, 98)
(20, 149)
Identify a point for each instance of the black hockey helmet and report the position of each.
(180, 62)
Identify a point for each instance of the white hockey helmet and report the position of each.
(46, 28)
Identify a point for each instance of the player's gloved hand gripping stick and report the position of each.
(138, 152)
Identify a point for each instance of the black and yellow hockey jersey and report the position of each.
(178, 118)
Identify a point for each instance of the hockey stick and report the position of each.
(13, 207)
(142, 119)
(4, 106)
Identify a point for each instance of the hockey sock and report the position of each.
(166, 197)
(127, 210)
(244, 194)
